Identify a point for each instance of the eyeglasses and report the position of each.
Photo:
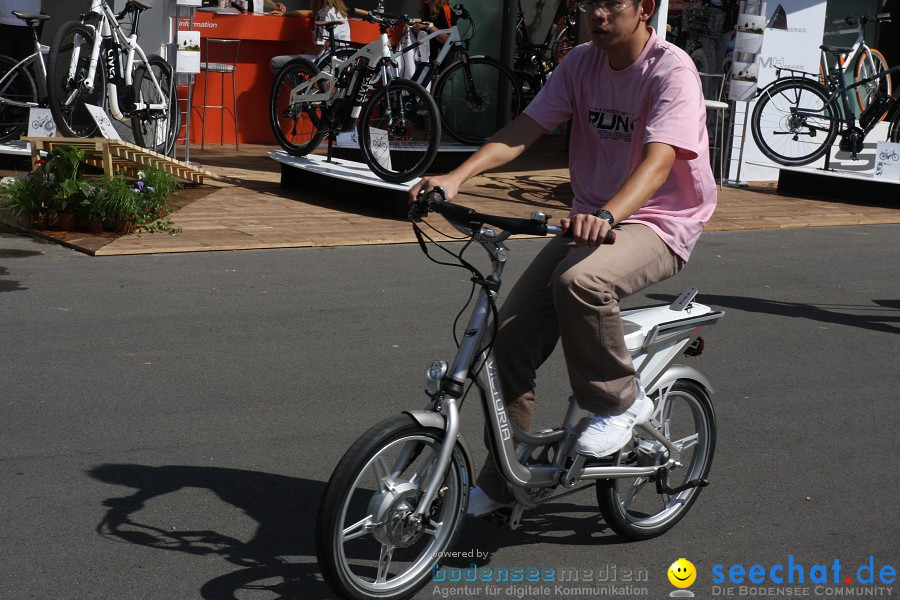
(610, 8)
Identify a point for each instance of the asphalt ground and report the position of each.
(168, 422)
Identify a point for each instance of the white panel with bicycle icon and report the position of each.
(103, 122)
(887, 161)
(41, 123)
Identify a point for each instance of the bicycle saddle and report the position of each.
(329, 24)
(29, 17)
(140, 5)
(834, 49)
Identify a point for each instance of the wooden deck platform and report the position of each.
(246, 208)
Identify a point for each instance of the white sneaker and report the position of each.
(605, 435)
(481, 504)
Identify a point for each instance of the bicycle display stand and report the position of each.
(338, 177)
(15, 148)
(118, 156)
(448, 157)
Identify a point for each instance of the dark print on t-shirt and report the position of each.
(613, 124)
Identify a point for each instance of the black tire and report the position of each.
(351, 554)
(789, 138)
(156, 129)
(18, 86)
(470, 107)
(632, 507)
(409, 116)
(298, 126)
(862, 70)
(67, 96)
(529, 84)
(894, 127)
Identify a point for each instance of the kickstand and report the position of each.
(331, 135)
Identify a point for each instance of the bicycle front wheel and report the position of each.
(68, 88)
(366, 542)
(297, 124)
(157, 119)
(400, 131)
(17, 91)
(793, 123)
(863, 70)
(471, 97)
(634, 508)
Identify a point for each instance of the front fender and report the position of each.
(427, 418)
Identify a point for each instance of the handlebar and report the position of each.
(384, 18)
(862, 20)
(468, 218)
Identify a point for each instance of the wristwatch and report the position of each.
(606, 216)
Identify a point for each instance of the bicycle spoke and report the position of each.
(686, 443)
(636, 487)
(359, 529)
(384, 562)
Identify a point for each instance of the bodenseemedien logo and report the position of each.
(682, 574)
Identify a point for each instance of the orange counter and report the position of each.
(262, 37)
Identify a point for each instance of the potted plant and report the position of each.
(153, 190)
(116, 201)
(26, 196)
(93, 210)
(63, 172)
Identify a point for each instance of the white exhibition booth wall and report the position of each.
(796, 47)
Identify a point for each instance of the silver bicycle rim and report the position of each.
(370, 564)
(684, 424)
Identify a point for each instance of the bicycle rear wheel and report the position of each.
(894, 128)
(863, 70)
(158, 120)
(68, 89)
(633, 507)
(297, 125)
(469, 99)
(17, 89)
(399, 131)
(793, 123)
(366, 542)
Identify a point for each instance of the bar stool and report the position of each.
(220, 57)
(713, 90)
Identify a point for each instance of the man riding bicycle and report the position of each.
(639, 161)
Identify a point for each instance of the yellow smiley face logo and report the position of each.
(682, 573)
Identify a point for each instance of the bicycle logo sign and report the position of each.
(41, 123)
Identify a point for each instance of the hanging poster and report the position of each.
(748, 41)
(188, 56)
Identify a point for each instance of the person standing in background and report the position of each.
(321, 10)
(15, 36)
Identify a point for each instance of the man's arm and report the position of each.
(504, 146)
(650, 174)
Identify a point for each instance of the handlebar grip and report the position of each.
(610, 237)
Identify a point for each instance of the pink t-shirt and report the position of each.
(658, 98)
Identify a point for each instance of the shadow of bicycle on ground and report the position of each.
(280, 559)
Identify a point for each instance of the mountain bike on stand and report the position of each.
(475, 95)
(398, 123)
(397, 499)
(96, 63)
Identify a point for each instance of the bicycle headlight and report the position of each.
(433, 375)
